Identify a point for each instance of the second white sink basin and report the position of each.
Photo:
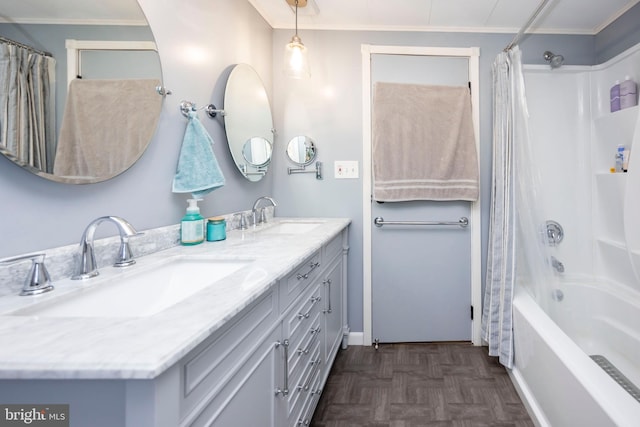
(140, 293)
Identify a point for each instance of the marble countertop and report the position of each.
(33, 347)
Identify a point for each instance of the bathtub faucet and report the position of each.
(557, 265)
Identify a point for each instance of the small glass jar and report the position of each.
(216, 229)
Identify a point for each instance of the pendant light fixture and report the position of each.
(296, 64)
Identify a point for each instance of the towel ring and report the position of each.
(187, 106)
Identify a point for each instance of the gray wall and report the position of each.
(328, 107)
(198, 40)
(618, 36)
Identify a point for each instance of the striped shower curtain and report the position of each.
(27, 107)
(497, 327)
(517, 251)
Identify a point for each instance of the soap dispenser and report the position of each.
(192, 225)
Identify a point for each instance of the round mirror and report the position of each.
(301, 150)
(257, 151)
(248, 122)
(94, 104)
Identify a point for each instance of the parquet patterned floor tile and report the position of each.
(415, 385)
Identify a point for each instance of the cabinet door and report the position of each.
(250, 399)
(332, 283)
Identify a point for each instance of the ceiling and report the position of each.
(502, 16)
(109, 12)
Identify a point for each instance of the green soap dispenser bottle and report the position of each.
(192, 225)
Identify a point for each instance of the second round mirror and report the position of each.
(301, 150)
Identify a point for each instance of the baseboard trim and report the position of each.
(356, 338)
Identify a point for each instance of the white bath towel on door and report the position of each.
(423, 143)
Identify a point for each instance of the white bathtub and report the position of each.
(556, 378)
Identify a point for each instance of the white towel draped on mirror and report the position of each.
(90, 145)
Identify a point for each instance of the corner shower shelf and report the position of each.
(621, 115)
(611, 130)
(615, 244)
(614, 260)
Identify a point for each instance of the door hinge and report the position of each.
(471, 312)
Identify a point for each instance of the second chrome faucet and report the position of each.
(262, 218)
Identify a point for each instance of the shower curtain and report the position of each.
(27, 107)
(517, 251)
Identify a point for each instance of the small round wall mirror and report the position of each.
(257, 151)
(301, 150)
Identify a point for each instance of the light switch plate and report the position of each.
(345, 169)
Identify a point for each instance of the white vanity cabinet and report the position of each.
(265, 366)
(269, 366)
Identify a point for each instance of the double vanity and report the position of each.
(241, 332)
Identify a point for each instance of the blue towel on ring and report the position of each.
(198, 170)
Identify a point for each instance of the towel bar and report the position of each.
(187, 106)
(462, 222)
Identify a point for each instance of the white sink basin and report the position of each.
(139, 293)
(291, 227)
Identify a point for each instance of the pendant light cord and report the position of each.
(296, 17)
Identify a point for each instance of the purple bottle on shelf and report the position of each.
(614, 97)
(628, 93)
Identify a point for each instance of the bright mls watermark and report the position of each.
(34, 415)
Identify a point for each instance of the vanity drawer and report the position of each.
(303, 383)
(303, 320)
(301, 350)
(209, 366)
(295, 284)
(311, 398)
(332, 249)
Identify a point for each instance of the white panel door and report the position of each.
(421, 275)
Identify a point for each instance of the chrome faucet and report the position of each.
(263, 214)
(557, 265)
(88, 265)
(38, 281)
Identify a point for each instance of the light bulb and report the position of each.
(296, 64)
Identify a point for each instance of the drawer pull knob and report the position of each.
(313, 266)
(314, 301)
(304, 351)
(315, 330)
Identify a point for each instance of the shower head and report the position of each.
(554, 60)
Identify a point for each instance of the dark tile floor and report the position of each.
(411, 385)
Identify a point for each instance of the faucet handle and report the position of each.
(38, 281)
(243, 221)
(125, 256)
(263, 215)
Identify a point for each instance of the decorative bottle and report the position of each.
(614, 97)
(628, 93)
(192, 225)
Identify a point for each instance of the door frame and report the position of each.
(473, 55)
